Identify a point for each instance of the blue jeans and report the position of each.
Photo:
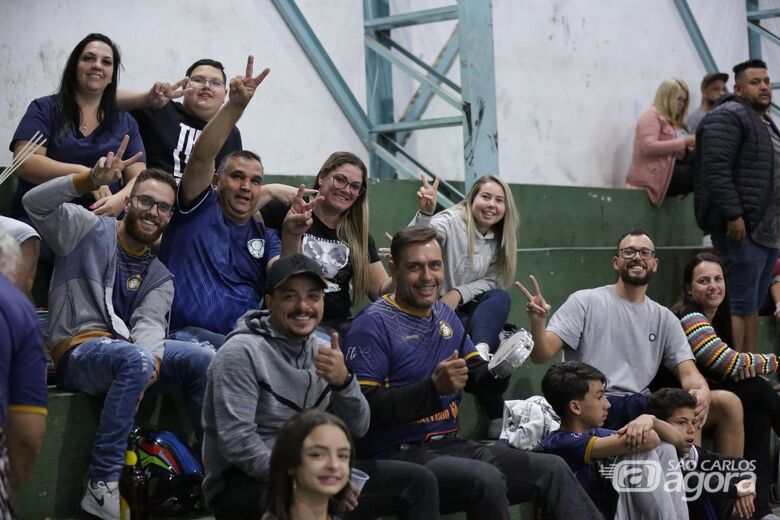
(198, 335)
(121, 371)
(749, 267)
(484, 318)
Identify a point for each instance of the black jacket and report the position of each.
(734, 166)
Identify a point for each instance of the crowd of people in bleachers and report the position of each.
(177, 269)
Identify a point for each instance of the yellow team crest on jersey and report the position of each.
(134, 282)
(445, 330)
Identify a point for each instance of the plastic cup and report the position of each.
(358, 479)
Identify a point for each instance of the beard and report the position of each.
(629, 279)
(134, 231)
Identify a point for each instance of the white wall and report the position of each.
(572, 76)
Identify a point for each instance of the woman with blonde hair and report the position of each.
(479, 239)
(338, 238)
(663, 147)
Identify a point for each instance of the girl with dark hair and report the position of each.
(310, 468)
(705, 316)
(81, 124)
(340, 232)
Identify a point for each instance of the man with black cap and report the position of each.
(275, 364)
(713, 87)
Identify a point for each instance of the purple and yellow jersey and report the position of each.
(392, 347)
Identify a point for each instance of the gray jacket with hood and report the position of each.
(82, 285)
(256, 382)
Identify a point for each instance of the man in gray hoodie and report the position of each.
(275, 364)
(109, 302)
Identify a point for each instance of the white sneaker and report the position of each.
(102, 499)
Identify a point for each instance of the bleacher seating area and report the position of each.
(567, 239)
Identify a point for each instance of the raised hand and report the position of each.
(109, 169)
(329, 363)
(426, 196)
(450, 375)
(537, 307)
(161, 92)
(243, 88)
(298, 218)
(385, 251)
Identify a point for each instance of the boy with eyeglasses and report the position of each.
(168, 128)
(109, 302)
(621, 332)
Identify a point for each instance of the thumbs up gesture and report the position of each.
(450, 375)
(329, 363)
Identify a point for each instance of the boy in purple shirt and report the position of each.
(635, 454)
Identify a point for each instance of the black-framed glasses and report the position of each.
(628, 253)
(202, 82)
(341, 182)
(146, 203)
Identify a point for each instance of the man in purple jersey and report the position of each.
(412, 358)
(217, 251)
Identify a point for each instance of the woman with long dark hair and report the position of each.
(310, 468)
(705, 316)
(81, 123)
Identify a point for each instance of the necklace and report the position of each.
(84, 126)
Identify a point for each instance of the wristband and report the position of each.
(347, 381)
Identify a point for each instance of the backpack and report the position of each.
(173, 470)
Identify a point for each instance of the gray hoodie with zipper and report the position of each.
(256, 382)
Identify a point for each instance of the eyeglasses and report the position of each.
(216, 83)
(341, 182)
(629, 253)
(147, 203)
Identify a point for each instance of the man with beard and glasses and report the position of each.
(109, 303)
(621, 332)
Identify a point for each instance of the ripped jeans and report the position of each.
(121, 371)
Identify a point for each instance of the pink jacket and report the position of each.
(656, 147)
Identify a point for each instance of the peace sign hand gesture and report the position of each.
(243, 88)
(161, 92)
(426, 196)
(537, 308)
(109, 169)
(299, 217)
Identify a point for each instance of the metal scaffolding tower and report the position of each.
(385, 137)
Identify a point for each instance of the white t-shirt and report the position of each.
(626, 341)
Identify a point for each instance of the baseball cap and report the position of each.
(289, 266)
(713, 76)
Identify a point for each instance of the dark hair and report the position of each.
(740, 68)
(664, 402)
(409, 236)
(244, 154)
(567, 381)
(685, 304)
(210, 63)
(67, 110)
(154, 174)
(286, 456)
(636, 232)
